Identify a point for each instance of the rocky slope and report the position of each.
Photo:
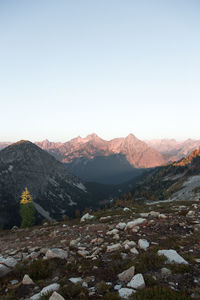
(141, 252)
(178, 180)
(55, 191)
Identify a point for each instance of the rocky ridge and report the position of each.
(55, 191)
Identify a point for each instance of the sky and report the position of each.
(113, 67)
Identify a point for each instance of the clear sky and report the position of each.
(112, 67)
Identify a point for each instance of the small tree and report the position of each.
(27, 210)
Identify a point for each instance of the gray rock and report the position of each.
(75, 279)
(165, 272)
(121, 226)
(27, 280)
(114, 247)
(56, 296)
(125, 293)
(6, 265)
(50, 288)
(4, 270)
(86, 217)
(134, 223)
(56, 253)
(172, 256)
(137, 282)
(127, 274)
(143, 244)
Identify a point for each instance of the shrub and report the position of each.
(160, 293)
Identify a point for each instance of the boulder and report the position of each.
(134, 223)
(56, 253)
(27, 280)
(56, 296)
(50, 288)
(127, 274)
(114, 247)
(121, 226)
(86, 217)
(143, 244)
(173, 257)
(125, 293)
(6, 265)
(75, 279)
(137, 282)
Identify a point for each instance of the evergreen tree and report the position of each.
(27, 210)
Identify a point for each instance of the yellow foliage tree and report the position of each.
(26, 197)
(27, 210)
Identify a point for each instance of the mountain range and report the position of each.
(173, 150)
(118, 160)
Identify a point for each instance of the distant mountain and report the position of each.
(4, 145)
(177, 181)
(173, 150)
(137, 153)
(55, 191)
(114, 161)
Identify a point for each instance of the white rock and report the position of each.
(172, 256)
(6, 265)
(27, 280)
(35, 297)
(121, 226)
(134, 251)
(143, 244)
(144, 215)
(162, 216)
(134, 223)
(8, 262)
(105, 218)
(190, 213)
(154, 214)
(56, 296)
(112, 232)
(86, 217)
(116, 237)
(83, 253)
(117, 287)
(126, 209)
(75, 279)
(127, 274)
(50, 288)
(137, 282)
(56, 253)
(125, 293)
(114, 247)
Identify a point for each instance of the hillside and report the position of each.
(139, 252)
(179, 180)
(55, 191)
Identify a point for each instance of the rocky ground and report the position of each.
(140, 252)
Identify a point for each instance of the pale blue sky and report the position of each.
(70, 68)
